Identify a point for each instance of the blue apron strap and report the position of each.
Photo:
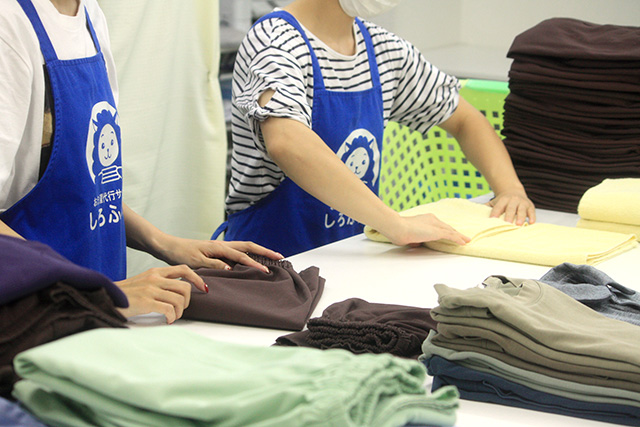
(48, 51)
(221, 229)
(371, 55)
(92, 31)
(318, 81)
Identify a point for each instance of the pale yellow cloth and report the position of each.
(543, 244)
(609, 226)
(613, 200)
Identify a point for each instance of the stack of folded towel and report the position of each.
(612, 205)
(572, 117)
(542, 244)
(524, 343)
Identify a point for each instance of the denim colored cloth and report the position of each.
(12, 415)
(483, 387)
(596, 290)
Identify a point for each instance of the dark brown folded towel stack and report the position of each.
(572, 117)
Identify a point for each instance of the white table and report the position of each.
(383, 273)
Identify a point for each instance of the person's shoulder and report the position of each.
(16, 31)
(386, 40)
(276, 33)
(93, 9)
(12, 17)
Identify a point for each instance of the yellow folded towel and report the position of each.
(609, 226)
(613, 200)
(542, 244)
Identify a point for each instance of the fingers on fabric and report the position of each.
(165, 290)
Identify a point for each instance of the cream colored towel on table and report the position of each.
(609, 226)
(543, 244)
(612, 205)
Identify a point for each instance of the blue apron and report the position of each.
(76, 207)
(290, 220)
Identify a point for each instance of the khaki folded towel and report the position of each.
(542, 244)
(613, 200)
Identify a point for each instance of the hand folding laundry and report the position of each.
(280, 299)
(169, 376)
(363, 327)
(543, 244)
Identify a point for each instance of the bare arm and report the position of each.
(311, 164)
(144, 236)
(486, 151)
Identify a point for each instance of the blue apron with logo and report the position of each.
(76, 207)
(290, 220)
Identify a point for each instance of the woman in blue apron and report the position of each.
(329, 188)
(76, 205)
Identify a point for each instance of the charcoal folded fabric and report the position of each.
(363, 327)
(280, 299)
(572, 116)
(539, 243)
(170, 376)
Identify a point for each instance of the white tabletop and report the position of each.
(383, 273)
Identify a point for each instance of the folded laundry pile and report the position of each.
(524, 343)
(170, 376)
(363, 327)
(280, 299)
(44, 297)
(539, 243)
(572, 117)
(612, 205)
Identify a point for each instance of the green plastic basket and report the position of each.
(418, 169)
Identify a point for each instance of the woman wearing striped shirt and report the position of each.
(313, 88)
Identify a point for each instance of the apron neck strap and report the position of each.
(48, 52)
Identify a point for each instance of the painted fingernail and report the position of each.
(206, 288)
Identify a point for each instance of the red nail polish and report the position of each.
(206, 288)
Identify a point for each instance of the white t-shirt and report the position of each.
(22, 86)
(274, 56)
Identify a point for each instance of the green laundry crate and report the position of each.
(418, 169)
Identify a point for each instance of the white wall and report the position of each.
(495, 23)
(470, 38)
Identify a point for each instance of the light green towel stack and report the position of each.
(168, 376)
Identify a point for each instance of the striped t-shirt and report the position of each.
(274, 56)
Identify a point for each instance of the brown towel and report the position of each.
(363, 327)
(46, 315)
(280, 299)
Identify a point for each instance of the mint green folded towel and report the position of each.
(169, 376)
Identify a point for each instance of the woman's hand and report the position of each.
(164, 290)
(414, 230)
(515, 205)
(210, 253)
